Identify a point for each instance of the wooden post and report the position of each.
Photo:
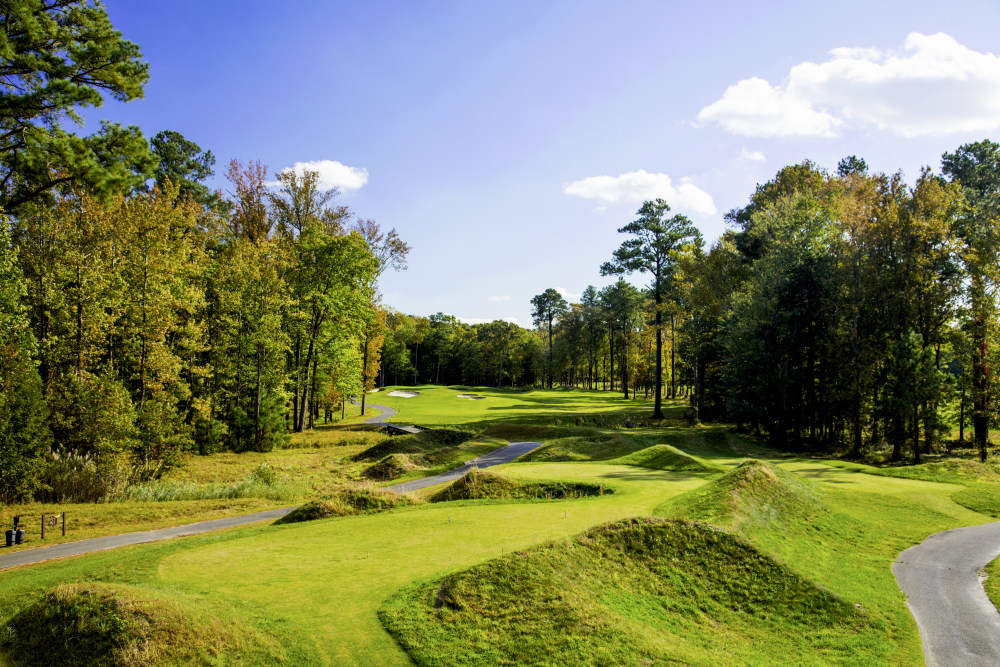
(64, 524)
(43, 526)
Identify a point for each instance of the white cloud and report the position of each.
(638, 186)
(566, 294)
(753, 156)
(499, 298)
(333, 174)
(930, 85)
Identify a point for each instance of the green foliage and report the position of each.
(24, 434)
(182, 163)
(57, 57)
(482, 484)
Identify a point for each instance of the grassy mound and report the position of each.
(591, 447)
(435, 450)
(390, 467)
(983, 498)
(423, 443)
(756, 495)
(639, 591)
(100, 624)
(666, 457)
(346, 502)
(480, 484)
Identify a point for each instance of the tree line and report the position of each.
(845, 310)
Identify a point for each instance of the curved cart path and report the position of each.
(39, 554)
(387, 412)
(494, 458)
(940, 578)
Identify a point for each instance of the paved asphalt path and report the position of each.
(39, 554)
(940, 577)
(494, 458)
(387, 412)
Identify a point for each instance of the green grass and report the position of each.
(992, 583)
(87, 624)
(667, 457)
(310, 592)
(440, 406)
(641, 591)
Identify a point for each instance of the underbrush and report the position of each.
(638, 591)
(480, 484)
(261, 482)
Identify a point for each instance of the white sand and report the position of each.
(403, 394)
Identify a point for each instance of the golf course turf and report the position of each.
(693, 568)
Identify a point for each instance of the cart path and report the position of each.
(494, 458)
(387, 412)
(39, 554)
(958, 623)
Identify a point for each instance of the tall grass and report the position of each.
(261, 482)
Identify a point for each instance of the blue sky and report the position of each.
(507, 141)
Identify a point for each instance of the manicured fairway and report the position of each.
(438, 406)
(331, 577)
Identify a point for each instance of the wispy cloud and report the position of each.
(932, 84)
(569, 296)
(497, 299)
(753, 156)
(333, 174)
(638, 186)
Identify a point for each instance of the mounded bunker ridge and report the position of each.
(481, 484)
(390, 467)
(666, 457)
(344, 503)
(421, 447)
(637, 591)
(102, 624)
(755, 493)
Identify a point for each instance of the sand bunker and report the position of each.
(403, 394)
(471, 397)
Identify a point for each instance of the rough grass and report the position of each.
(261, 482)
(481, 484)
(102, 624)
(390, 467)
(666, 457)
(638, 591)
(597, 446)
(756, 495)
(428, 452)
(345, 503)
